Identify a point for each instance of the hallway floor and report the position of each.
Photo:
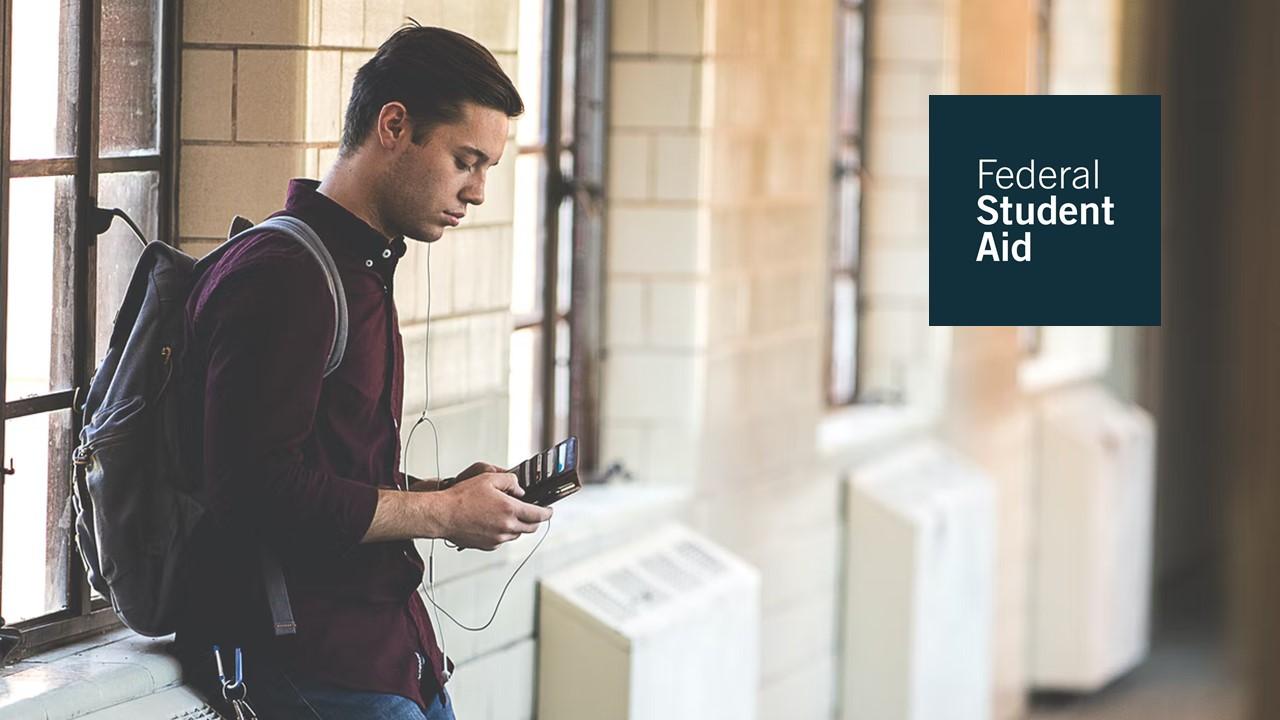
(1184, 678)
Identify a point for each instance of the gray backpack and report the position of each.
(136, 499)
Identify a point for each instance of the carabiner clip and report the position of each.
(237, 682)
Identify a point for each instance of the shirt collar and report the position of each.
(341, 230)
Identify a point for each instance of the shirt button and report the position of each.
(368, 263)
(386, 253)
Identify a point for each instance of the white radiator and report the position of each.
(920, 560)
(1092, 539)
(666, 627)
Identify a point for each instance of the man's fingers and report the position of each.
(506, 482)
(524, 528)
(479, 468)
(530, 513)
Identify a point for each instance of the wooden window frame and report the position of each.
(849, 153)
(580, 135)
(84, 615)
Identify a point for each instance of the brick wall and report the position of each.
(718, 197)
(761, 490)
(655, 292)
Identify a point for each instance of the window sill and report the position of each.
(1067, 355)
(87, 676)
(1047, 372)
(848, 434)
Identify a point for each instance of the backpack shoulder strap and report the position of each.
(277, 591)
(282, 622)
(303, 233)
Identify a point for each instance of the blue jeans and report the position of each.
(292, 698)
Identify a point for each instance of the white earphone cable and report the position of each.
(429, 586)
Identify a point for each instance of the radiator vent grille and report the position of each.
(665, 626)
(603, 602)
(204, 712)
(661, 566)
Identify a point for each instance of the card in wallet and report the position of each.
(550, 475)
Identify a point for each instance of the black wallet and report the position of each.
(550, 475)
(547, 476)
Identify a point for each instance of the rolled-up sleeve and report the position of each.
(268, 325)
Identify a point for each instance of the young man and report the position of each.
(304, 464)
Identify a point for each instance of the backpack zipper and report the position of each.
(166, 354)
(83, 454)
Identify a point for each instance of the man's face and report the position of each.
(430, 186)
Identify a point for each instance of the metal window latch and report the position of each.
(9, 470)
(616, 469)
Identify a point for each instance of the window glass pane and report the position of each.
(848, 211)
(568, 72)
(844, 339)
(44, 79)
(526, 275)
(129, 76)
(562, 388)
(37, 518)
(39, 303)
(847, 202)
(564, 258)
(564, 251)
(524, 400)
(530, 65)
(138, 195)
(849, 121)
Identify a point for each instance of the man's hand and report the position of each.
(417, 484)
(479, 510)
(477, 469)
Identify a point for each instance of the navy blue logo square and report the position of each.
(1044, 210)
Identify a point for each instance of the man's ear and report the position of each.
(393, 125)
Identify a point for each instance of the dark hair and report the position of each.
(432, 71)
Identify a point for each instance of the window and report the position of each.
(1029, 337)
(555, 254)
(88, 120)
(1058, 355)
(846, 220)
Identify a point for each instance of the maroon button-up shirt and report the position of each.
(293, 460)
